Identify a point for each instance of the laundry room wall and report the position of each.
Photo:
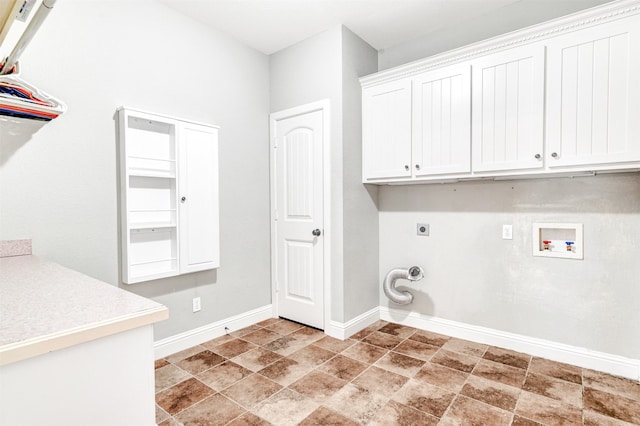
(59, 187)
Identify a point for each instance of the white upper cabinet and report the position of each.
(560, 98)
(387, 131)
(508, 110)
(442, 121)
(593, 106)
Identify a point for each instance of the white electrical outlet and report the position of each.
(196, 304)
(507, 232)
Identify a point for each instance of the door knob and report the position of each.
(316, 232)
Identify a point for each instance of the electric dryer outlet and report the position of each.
(422, 229)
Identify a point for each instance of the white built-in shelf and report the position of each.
(168, 194)
(135, 157)
(151, 225)
(151, 167)
(151, 173)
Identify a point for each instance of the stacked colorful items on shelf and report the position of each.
(17, 97)
(20, 99)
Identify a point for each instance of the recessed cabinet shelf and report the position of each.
(151, 225)
(152, 167)
(168, 194)
(152, 252)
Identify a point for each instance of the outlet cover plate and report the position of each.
(507, 232)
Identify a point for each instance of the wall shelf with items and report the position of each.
(168, 194)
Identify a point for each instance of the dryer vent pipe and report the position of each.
(413, 273)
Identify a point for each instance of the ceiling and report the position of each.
(271, 25)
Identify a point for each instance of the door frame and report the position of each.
(324, 106)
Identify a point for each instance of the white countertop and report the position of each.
(45, 307)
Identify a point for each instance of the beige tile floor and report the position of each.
(281, 373)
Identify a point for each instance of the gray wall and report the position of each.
(327, 66)
(474, 276)
(511, 17)
(306, 72)
(59, 188)
(360, 215)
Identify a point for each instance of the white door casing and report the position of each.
(298, 137)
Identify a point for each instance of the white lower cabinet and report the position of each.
(593, 105)
(508, 110)
(168, 196)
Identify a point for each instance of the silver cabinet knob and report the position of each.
(316, 232)
(554, 154)
(183, 199)
(538, 156)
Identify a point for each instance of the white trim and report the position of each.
(581, 357)
(156, 115)
(188, 339)
(343, 331)
(324, 106)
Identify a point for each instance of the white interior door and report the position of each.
(298, 233)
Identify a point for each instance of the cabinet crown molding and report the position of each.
(593, 16)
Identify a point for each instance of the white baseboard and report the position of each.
(342, 331)
(182, 341)
(581, 357)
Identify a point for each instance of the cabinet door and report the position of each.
(198, 197)
(593, 97)
(386, 118)
(441, 121)
(508, 110)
